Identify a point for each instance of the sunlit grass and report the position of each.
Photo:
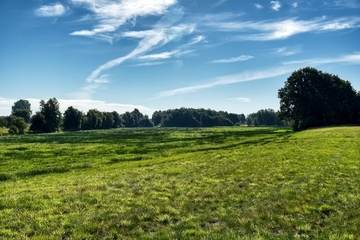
(214, 183)
(3, 131)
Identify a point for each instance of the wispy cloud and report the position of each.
(55, 10)
(195, 40)
(229, 79)
(152, 38)
(241, 99)
(259, 6)
(221, 2)
(294, 4)
(149, 64)
(345, 4)
(275, 5)
(276, 30)
(348, 59)
(163, 55)
(261, 74)
(110, 15)
(287, 51)
(234, 59)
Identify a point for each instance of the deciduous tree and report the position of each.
(72, 119)
(22, 108)
(48, 118)
(312, 98)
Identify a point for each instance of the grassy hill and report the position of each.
(211, 183)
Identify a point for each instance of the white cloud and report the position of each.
(151, 39)
(275, 30)
(275, 5)
(258, 6)
(148, 64)
(81, 104)
(110, 15)
(195, 40)
(287, 51)
(163, 55)
(234, 59)
(55, 10)
(219, 3)
(294, 5)
(348, 59)
(241, 99)
(344, 4)
(229, 79)
(261, 74)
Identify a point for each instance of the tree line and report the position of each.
(50, 119)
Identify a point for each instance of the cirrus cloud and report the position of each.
(234, 59)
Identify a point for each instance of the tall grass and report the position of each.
(214, 183)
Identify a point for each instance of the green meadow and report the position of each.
(178, 183)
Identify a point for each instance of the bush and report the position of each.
(13, 130)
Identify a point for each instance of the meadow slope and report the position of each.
(210, 183)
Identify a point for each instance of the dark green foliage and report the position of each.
(48, 119)
(157, 117)
(136, 119)
(256, 122)
(23, 113)
(3, 122)
(108, 120)
(264, 117)
(145, 122)
(94, 119)
(117, 120)
(37, 122)
(190, 117)
(180, 118)
(13, 130)
(311, 98)
(9, 120)
(22, 108)
(249, 121)
(73, 119)
(20, 125)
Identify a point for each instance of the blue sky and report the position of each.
(230, 55)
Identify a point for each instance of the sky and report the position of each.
(117, 55)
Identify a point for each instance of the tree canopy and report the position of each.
(73, 119)
(22, 108)
(191, 117)
(312, 98)
(264, 117)
(49, 117)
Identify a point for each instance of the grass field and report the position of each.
(3, 131)
(211, 183)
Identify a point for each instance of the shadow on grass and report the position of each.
(41, 171)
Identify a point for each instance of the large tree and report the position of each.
(72, 119)
(312, 98)
(37, 122)
(49, 117)
(22, 108)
